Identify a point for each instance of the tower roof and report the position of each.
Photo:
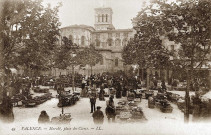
(104, 9)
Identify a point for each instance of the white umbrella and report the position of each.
(14, 71)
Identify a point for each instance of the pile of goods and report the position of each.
(132, 104)
(40, 90)
(181, 104)
(128, 111)
(166, 107)
(138, 93)
(17, 99)
(131, 96)
(147, 93)
(62, 119)
(20, 100)
(137, 113)
(162, 103)
(125, 115)
(121, 107)
(37, 100)
(68, 99)
(172, 97)
(43, 98)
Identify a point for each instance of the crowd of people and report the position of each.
(118, 86)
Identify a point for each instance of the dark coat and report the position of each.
(98, 117)
(43, 118)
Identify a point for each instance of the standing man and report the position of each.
(102, 92)
(93, 101)
(109, 82)
(83, 88)
(98, 116)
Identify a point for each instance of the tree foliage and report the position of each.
(66, 54)
(189, 24)
(29, 33)
(89, 56)
(146, 49)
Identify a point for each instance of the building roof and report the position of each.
(82, 26)
(115, 30)
(100, 8)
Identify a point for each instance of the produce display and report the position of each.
(162, 103)
(37, 100)
(40, 90)
(128, 111)
(62, 119)
(68, 99)
(172, 97)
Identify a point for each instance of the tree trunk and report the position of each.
(73, 78)
(148, 80)
(91, 70)
(189, 83)
(187, 99)
(142, 73)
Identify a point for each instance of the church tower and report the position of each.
(103, 19)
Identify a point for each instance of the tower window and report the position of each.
(106, 17)
(98, 18)
(102, 17)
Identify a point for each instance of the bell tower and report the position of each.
(103, 19)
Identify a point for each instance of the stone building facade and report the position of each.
(108, 40)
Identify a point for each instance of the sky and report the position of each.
(82, 11)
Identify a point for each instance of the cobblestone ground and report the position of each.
(157, 122)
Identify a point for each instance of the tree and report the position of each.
(147, 49)
(188, 23)
(89, 56)
(41, 29)
(30, 33)
(65, 55)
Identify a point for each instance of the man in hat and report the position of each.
(102, 92)
(93, 97)
(98, 116)
(43, 118)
